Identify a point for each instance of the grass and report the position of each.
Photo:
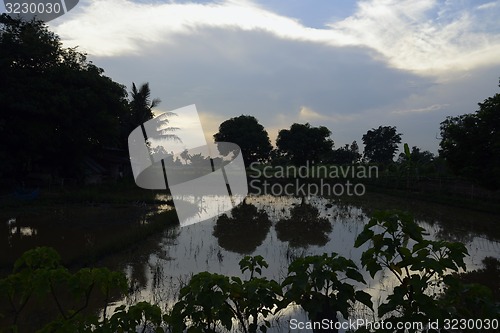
(397, 186)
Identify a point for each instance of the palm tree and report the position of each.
(141, 110)
(141, 105)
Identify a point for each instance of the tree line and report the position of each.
(56, 106)
(470, 145)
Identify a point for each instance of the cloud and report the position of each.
(282, 72)
(424, 36)
(135, 25)
(488, 5)
(227, 73)
(307, 114)
(430, 108)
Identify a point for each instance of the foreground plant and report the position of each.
(322, 286)
(39, 280)
(211, 301)
(397, 244)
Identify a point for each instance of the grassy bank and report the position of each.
(446, 191)
(477, 204)
(110, 193)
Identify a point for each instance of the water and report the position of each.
(161, 265)
(192, 249)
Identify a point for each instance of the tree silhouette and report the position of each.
(303, 143)
(57, 107)
(344, 155)
(471, 143)
(141, 105)
(381, 144)
(249, 135)
(140, 109)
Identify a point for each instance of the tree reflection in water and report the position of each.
(304, 227)
(244, 231)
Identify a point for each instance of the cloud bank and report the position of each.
(423, 36)
(403, 63)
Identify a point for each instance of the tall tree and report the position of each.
(302, 143)
(140, 110)
(470, 143)
(381, 144)
(56, 106)
(246, 132)
(141, 105)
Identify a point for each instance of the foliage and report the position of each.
(416, 156)
(488, 276)
(470, 143)
(318, 284)
(57, 107)
(202, 304)
(414, 163)
(303, 143)
(210, 300)
(140, 110)
(381, 144)
(137, 318)
(419, 265)
(344, 155)
(468, 300)
(39, 278)
(474, 294)
(249, 135)
(141, 105)
(38, 275)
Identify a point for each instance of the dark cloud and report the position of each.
(231, 72)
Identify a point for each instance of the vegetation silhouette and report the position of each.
(305, 227)
(249, 135)
(470, 143)
(57, 107)
(349, 154)
(381, 144)
(303, 143)
(246, 222)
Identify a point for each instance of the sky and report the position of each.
(348, 65)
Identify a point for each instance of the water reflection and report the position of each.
(244, 231)
(76, 232)
(305, 227)
(300, 228)
(159, 266)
